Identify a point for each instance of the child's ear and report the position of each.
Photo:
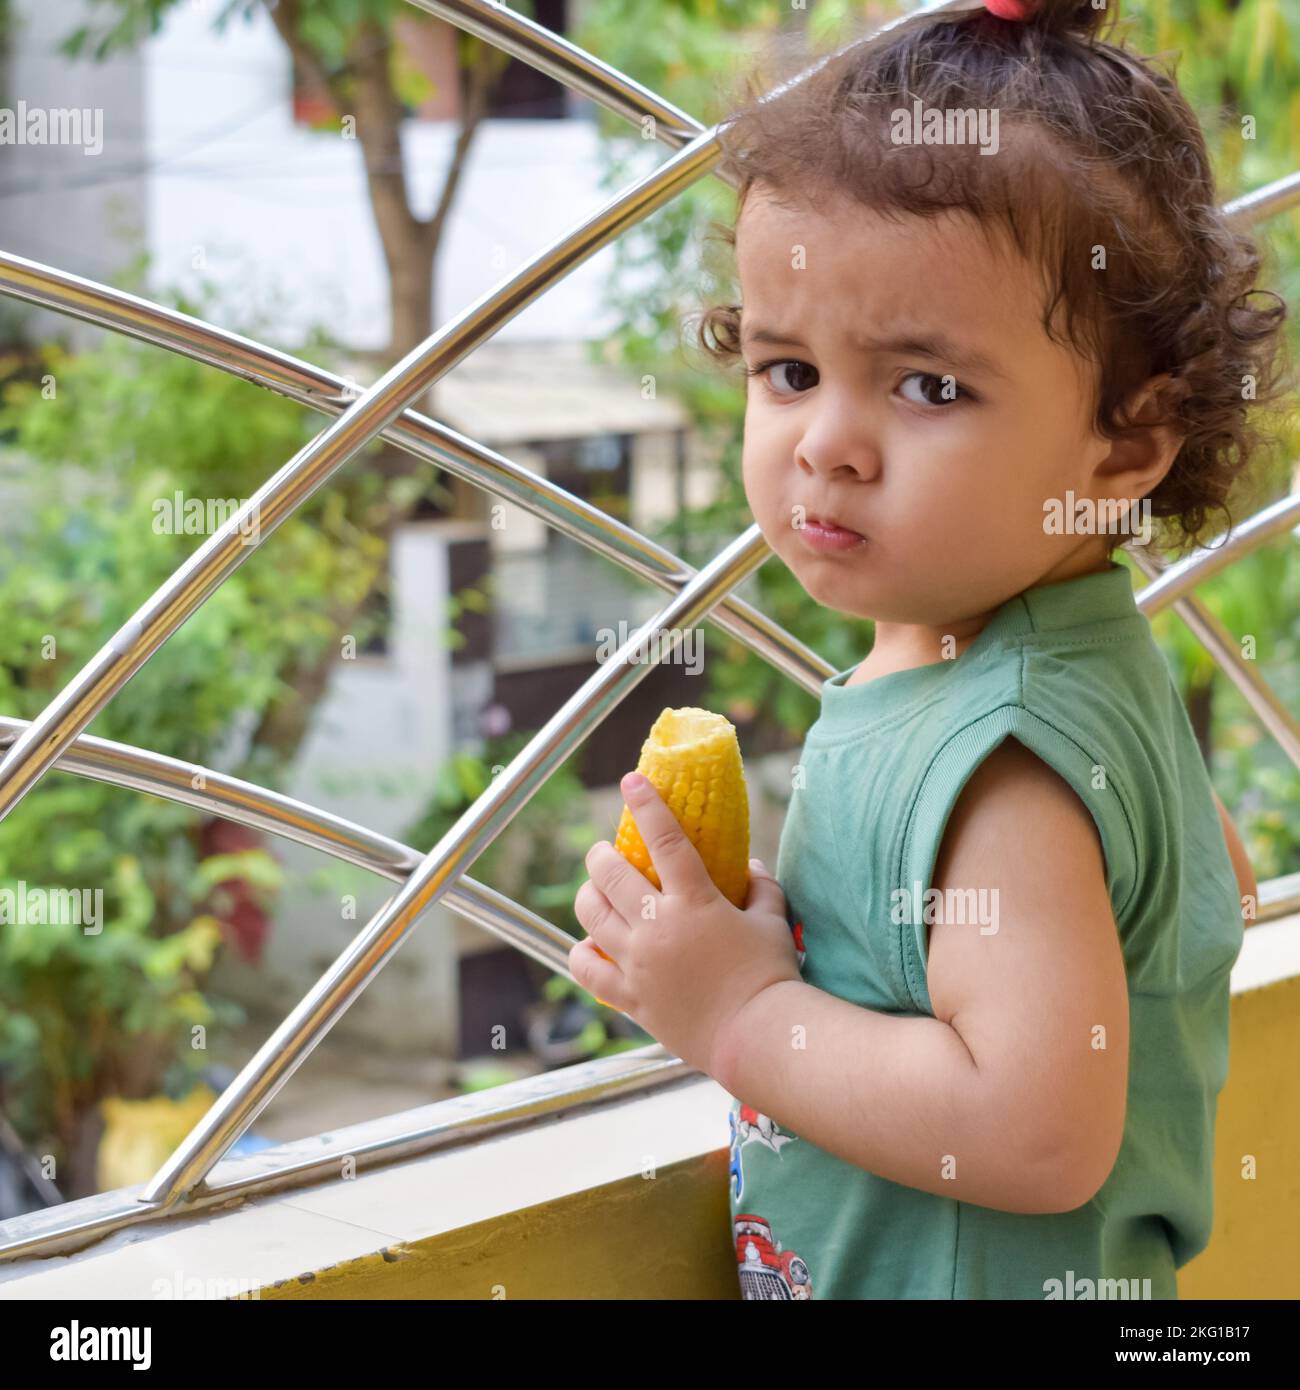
(1145, 451)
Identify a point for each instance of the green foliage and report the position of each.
(326, 28)
(126, 23)
(93, 444)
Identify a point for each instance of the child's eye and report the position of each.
(800, 382)
(944, 390)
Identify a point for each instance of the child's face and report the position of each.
(949, 493)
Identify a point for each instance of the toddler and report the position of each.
(977, 1034)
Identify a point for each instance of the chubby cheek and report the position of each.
(960, 520)
(765, 490)
(966, 473)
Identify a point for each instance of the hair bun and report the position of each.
(1084, 18)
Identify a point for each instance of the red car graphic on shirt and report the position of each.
(767, 1271)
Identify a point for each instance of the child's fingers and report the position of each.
(597, 974)
(675, 859)
(596, 914)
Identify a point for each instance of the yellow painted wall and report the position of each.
(663, 1237)
(669, 1237)
(1256, 1220)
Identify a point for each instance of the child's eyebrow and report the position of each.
(934, 344)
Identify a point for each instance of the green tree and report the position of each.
(96, 446)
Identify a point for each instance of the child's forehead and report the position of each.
(841, 228)
(835, 252)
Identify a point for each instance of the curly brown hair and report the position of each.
(1104, 155)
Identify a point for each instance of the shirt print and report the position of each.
(767, 1270)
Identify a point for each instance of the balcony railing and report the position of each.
(187, 1183)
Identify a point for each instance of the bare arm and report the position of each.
(1004, 1098)
(1240, 860)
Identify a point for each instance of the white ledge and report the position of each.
(1270, 952)
(279, 1236)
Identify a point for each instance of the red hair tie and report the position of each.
(1012, 9)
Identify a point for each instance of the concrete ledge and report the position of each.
(610, 1202)
(627, 1197)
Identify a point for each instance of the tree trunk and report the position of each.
(364, 89)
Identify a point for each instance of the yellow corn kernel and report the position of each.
(693, 758)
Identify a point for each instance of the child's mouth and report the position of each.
(826, 535)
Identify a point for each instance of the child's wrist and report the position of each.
(731, 1042)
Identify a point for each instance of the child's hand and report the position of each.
(683, 961)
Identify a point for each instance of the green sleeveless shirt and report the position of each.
(1072, 671)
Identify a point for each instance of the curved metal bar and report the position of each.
(530, 1101)
(122, 765)
(1267, 201)
(571, 66)
(1181, 578)
(1218, 641)
(1279, 897)
(417, 434)
(575, 68)
(247, 803)
(224, 551)
(292, 1042)
(128, 314)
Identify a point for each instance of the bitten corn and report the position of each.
(693, 758)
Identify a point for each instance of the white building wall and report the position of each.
(377, 737)
(83, 212)
(274, 209)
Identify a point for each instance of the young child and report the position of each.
(985, 1062)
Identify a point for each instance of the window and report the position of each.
(522, 93)
(596, 468)
(428, 47)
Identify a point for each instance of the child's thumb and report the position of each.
(764, 891)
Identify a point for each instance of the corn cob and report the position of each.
(693, 758)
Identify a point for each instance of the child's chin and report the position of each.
(829, 589)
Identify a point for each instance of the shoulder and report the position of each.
(1013, 781)
(1018, 827)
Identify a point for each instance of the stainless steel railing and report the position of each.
(55, 736)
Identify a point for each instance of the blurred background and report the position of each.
(336, 178)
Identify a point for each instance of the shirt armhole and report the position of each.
(937, 793)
